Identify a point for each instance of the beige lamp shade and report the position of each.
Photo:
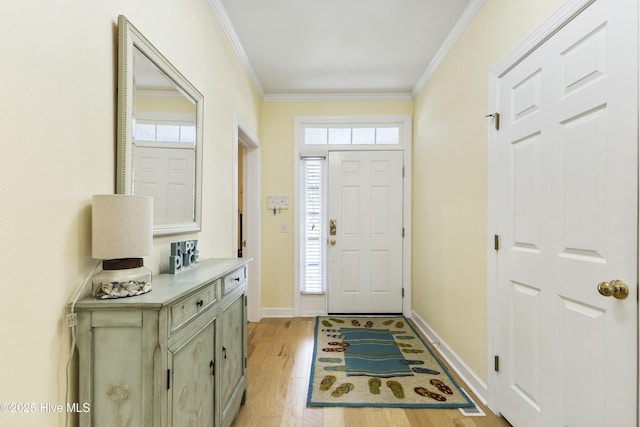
(122, 226)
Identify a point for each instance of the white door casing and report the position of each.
(365, 199)
(566, 193)
(243, 136)
(305, 304)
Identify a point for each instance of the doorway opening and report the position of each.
(246, 210)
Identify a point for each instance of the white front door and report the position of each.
(365, 251)
(567, 221)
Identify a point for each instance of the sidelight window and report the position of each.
(312, 256)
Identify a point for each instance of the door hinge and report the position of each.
(496, 119)
(403, 232)
(496, 242)
(496, 363)
(403, 171)
(402, 292)
(168, 379)
(246, 363)
(245, 300)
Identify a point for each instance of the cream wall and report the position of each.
(57, 121)
(276, 136)
(450, 178)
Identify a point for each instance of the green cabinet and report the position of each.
(191, 379)
(170, 358)
(233, 358)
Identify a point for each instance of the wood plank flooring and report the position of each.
(280, 355)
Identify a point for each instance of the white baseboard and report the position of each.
(284, 312)
(471, 380)
(313, 313)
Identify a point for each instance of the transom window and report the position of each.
(351, 135)
(157, 131)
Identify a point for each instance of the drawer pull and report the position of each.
(224, 352)
(237, 279)
(200, 303)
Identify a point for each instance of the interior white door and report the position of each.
(365, 254)
(568, 173)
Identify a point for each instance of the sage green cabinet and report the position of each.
(170, 358)
(191, 379)
(233, 361)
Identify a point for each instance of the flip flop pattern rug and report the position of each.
(378, 361)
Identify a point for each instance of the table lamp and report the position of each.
(122, 233)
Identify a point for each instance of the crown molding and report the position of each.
(220, 13)
(227, 27)
(333, 97)
(462, 24)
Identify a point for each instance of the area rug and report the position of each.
(378, 362)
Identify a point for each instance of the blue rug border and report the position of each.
(470, 403)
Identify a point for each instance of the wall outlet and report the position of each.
(72, 320)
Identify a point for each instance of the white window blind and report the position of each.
(312, 256)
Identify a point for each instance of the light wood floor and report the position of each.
(280, 355)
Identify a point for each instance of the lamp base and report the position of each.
(121, 278)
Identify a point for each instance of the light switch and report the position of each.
(271, 202)
(282, 202)
(284, 227)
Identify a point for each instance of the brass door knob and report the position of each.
(332, 242)
(605, 289)
(616, 288)
(620, 289)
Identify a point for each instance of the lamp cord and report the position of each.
(76, 296)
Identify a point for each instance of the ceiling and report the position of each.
(340, 47)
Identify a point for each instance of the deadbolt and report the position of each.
(616, 288)
(332, 227)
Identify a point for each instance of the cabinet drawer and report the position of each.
(235, 279)
(186, 309)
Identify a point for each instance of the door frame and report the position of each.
(552, 25)
(243, 136)
(316, 304)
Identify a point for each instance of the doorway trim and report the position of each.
(552, 25)
(244, 137)
(316, 304)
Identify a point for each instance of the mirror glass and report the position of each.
(159, 133)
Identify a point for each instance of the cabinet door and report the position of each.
(233, 338)
(191, 388)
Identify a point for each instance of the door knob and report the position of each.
(332, 242)
(616, 288)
